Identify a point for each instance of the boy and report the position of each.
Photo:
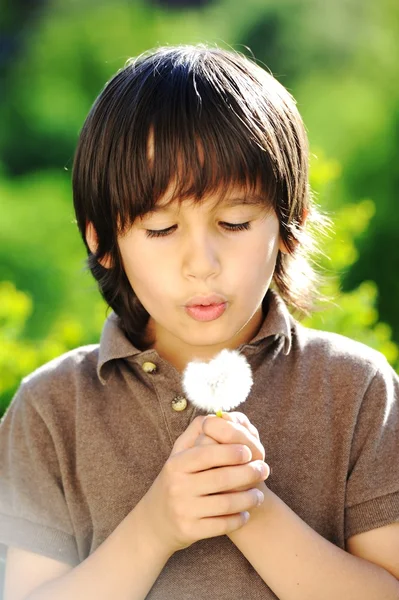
(191, 194)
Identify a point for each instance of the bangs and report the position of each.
(196, 164)
(169, 124)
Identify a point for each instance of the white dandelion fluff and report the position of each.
(221, 384)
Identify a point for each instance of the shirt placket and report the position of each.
(178, 412)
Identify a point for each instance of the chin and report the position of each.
(207, 339)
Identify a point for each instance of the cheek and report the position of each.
(270, 252)
(148, 275)
(269, 244)
(135, 264)
(259, 256)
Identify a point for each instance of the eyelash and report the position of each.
(152, 233)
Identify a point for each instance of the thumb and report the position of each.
(188, 438)
(204, 440)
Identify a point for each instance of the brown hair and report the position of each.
(215, 119)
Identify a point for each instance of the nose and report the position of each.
(201, 257)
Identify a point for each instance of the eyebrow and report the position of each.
(248, 200)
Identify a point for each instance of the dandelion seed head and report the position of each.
(221, 384)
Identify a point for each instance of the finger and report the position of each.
(242, 419)
(226, 504)
(229, 432)
(203, 440)
(238, 417)
(228, 478)
(187, 438)
(202, 458)
(214, 526)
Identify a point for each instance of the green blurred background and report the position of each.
(339, 60)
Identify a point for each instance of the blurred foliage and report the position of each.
(19, 355)
(41, 251)
(353, 313)
(337, 59)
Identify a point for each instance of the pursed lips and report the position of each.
(206, 300)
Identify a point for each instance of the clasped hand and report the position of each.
(211, 481)
(233, 428)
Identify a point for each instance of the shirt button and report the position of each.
(179, 403)
(149, 367)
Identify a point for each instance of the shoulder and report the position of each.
(61, 377)
(66, 366)
(339, 355)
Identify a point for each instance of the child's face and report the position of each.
(198, 255)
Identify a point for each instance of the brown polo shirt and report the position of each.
(86, 435)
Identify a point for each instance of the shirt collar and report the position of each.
(277, 323)
(114, 344)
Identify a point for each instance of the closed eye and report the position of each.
(151, 233)
(236, 226)
(159, 232)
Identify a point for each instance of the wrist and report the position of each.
(257, 513)
(143, 521)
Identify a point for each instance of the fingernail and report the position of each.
(246, 454)
(262, 469)
(245, 516)
(266, 471)
(260, 497)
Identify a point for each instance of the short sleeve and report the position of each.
(33, 510)
(372, 492)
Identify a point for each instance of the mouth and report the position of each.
(206, 308)
(206, 312)
(211, 300)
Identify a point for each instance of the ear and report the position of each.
(92, 242)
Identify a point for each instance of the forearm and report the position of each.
(125, 566)
(299, 564)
